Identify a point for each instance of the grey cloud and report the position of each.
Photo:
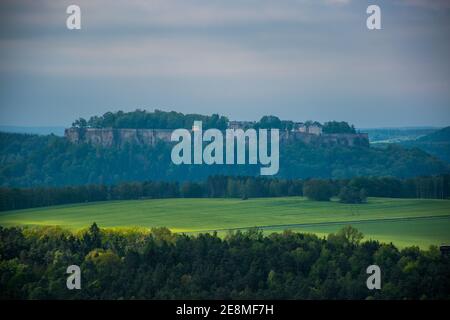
(296, 58)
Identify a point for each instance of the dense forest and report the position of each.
(32, 160)
(158, 119)
(348, 190)
(137, 264)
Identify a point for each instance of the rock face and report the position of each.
(118, 137)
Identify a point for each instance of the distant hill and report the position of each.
(442, 135)
(397, 135)
(59, 131)
(33, 160)
(436, 143)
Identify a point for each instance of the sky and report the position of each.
(296, 59)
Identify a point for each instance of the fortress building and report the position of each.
(312, 128)
(241, 124)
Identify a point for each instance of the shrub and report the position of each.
(352, 195)
(318, 190)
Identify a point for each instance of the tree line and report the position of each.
(137, 264)
(159, 119)
(348, 190)
(141, 119)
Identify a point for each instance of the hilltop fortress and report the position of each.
(308, 134)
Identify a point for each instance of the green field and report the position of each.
(402, 221)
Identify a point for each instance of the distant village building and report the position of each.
(315, 129)
(307, 127)
(311, 128)
(240, 124)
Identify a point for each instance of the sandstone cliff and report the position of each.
(109, 137)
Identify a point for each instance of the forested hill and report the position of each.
(442, 135)
(31, 160)
(436, 143)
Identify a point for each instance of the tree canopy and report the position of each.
(338, 127)
(138, 264)
(142, 119)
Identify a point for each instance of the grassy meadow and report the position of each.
(405, 222)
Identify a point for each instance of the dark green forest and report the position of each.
(140, 119)
(243, 265)
(353, 190)
(32, 160)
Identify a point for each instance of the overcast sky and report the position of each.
(297, 59)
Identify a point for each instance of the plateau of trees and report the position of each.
(353, 190)
(338, 127)
(141, 119)
(158, 119)
(138, 264)
(273, 122)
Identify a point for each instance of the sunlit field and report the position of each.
(404, 222)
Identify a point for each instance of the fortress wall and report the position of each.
(118, 137)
